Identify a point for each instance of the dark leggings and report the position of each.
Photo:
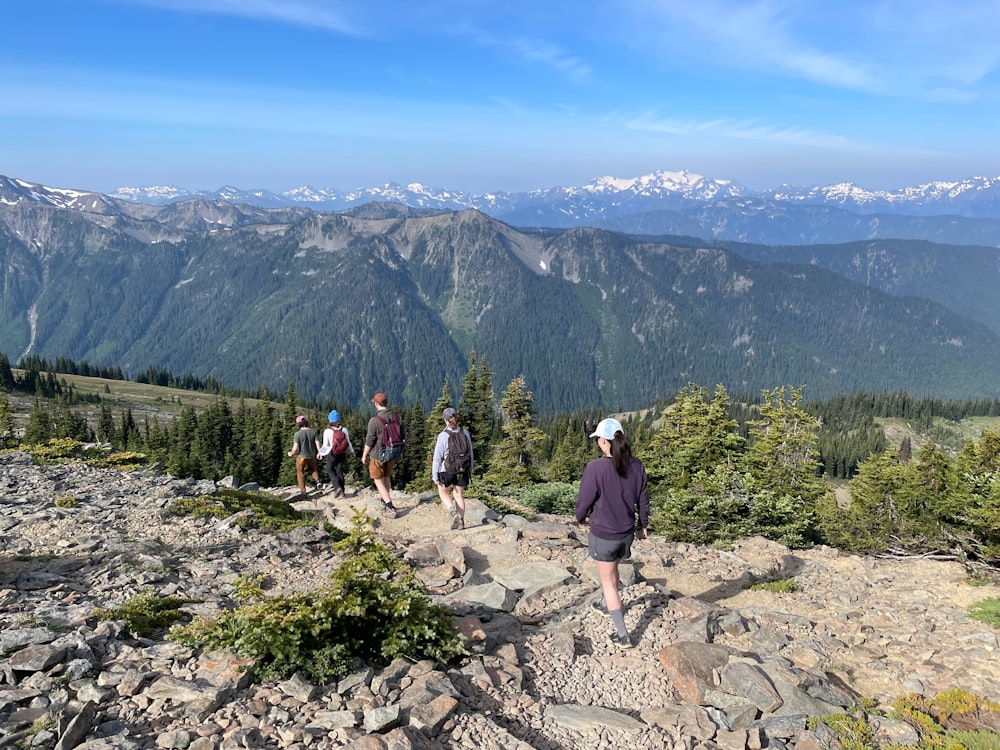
(335, 468)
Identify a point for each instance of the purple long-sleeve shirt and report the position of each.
(610, 500)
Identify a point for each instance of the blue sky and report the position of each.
(480, 96)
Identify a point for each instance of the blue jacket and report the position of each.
(611, 501)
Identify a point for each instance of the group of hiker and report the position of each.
(383, 445)
(613, 491)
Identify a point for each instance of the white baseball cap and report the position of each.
(607, 428)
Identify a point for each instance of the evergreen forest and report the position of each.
(720, 466)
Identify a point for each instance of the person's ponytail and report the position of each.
(621, 453)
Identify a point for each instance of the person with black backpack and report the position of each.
(452, 466)
(384, 444)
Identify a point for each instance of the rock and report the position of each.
(709, 654)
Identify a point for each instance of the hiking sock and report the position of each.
(618, 618)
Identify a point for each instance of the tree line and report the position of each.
(719, 468)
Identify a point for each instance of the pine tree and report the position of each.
(416, 460)
(697, 435)
(783, 465)
(8, 438)
(514, 460)
(6, 374)
(39, 427)
(905, 450)
(477, 411)
(106, 425)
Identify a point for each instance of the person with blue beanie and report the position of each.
(335, 448)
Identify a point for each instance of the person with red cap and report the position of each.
(378, 469)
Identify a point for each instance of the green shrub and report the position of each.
(851, 730)
(65, 501)
(779, 586)
(270, 513)
(373, 609)
(144, 613)
(550, 497)
(986, 610)
(56, 450)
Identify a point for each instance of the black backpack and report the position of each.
(391, 443)
(458, 460)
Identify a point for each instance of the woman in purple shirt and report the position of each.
(613, 488)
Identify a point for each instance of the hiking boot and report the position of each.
(338, 493)
(622, 641)
(457, 522)
(389, 510)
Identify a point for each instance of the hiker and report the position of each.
(383, 457)
(452, 466)
(612, 489)
(336, 445)
(305, 444)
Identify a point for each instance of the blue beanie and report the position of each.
(334, 416)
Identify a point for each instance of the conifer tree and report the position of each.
(783, 469)
(6, 374)
(106, 425)
(416, 464)
(514, 459)
(572, 452)
(39, 427)
(477, 411)
(867, 524)
(8, 438)
(697, 435)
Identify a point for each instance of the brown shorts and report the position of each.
(379, 470)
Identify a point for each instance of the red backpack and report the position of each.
(339, 441)
(390, 444)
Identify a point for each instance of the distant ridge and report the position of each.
(680, 203)
(388, 297)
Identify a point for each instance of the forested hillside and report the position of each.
(344, 305)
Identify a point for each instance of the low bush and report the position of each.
(145, 613)
(374, 609)
(267, 512)
(551, 497)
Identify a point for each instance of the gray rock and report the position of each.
(592, 717)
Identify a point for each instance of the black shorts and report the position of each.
(610, 550)
(453, 480)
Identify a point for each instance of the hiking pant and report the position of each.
(335, 468)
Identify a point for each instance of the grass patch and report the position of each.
(778, 586)
(986, 610)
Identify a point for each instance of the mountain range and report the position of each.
(383, 296)
(681, 203)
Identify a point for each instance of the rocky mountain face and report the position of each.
(391, 298)
(715, 665)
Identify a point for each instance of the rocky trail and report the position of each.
(716, 664)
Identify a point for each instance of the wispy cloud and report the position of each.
(554, 57)
(932, 50)
(753, 130)
(322, 14)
